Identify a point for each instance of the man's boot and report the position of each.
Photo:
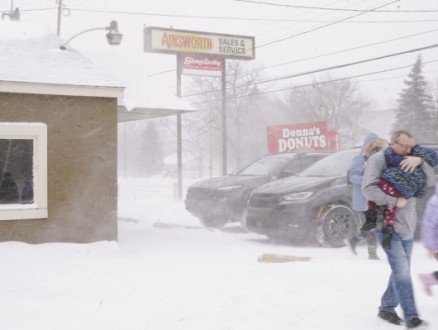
(372, 255)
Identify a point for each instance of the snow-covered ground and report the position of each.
(167, 272)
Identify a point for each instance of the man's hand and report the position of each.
(401, 202)
(409, 163)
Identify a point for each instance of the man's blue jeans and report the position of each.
(399, 289)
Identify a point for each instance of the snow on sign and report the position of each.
(302, 137)
(171, 41)
(201, 66)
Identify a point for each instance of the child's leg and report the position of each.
(389, 215)
(389, 211)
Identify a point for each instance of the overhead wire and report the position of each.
(326, 25)
(37, 9)
(283, 89)
(332, 9)
(233, 17)
(172, 70)
(332, 53)
(337, 66)
(354, 48)
(307, 7)
(333, 67)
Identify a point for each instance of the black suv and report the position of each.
(314, 206)
(221, 200)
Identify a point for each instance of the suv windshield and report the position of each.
(333, 165)
(264, 166)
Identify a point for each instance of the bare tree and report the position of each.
(338, 102)
(202, 128)
(243, 104)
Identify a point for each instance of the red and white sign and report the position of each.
(302, 137)
(201, 66)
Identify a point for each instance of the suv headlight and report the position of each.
(230, 188)
(297, 196)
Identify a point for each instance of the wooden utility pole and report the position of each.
(179, 127)
(224, 117)
(58, 26)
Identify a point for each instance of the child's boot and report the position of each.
(370, 220)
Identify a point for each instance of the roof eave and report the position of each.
(140, 113)
(59, 89)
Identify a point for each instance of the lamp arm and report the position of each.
(63, 46)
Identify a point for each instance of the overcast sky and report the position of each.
(289, 39)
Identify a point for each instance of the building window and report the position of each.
(23, 171)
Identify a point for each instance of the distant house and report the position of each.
(58, 141)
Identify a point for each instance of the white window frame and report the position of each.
(38, 133)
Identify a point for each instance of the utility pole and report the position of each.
(224, 117)
(58, 27)
(179, 127)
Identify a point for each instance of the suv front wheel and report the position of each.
(336, 224)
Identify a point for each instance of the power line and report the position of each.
(326, 54)
(336, 66)
(351, 77)
(394, 77)
(159, 73)
(38, 9)
(184, 16)
(245, 18)
(318, 83)
(347, 64)
(233, 18)
(326, 25)
(334, 9)
(350, 49)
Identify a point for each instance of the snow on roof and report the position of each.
(143, 101)
(31, 62)
(142, 98)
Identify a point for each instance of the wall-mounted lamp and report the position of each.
(114, 37)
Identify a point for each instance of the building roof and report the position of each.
(31, 62)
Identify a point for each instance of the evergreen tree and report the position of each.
(415, 111)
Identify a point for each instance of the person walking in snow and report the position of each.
(371, 144)
(429, 237)
(399, 183)
(399, 290)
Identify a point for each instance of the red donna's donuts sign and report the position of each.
(302, 137)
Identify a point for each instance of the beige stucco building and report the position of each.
(77, 103)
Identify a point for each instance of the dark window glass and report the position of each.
(16, 171)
